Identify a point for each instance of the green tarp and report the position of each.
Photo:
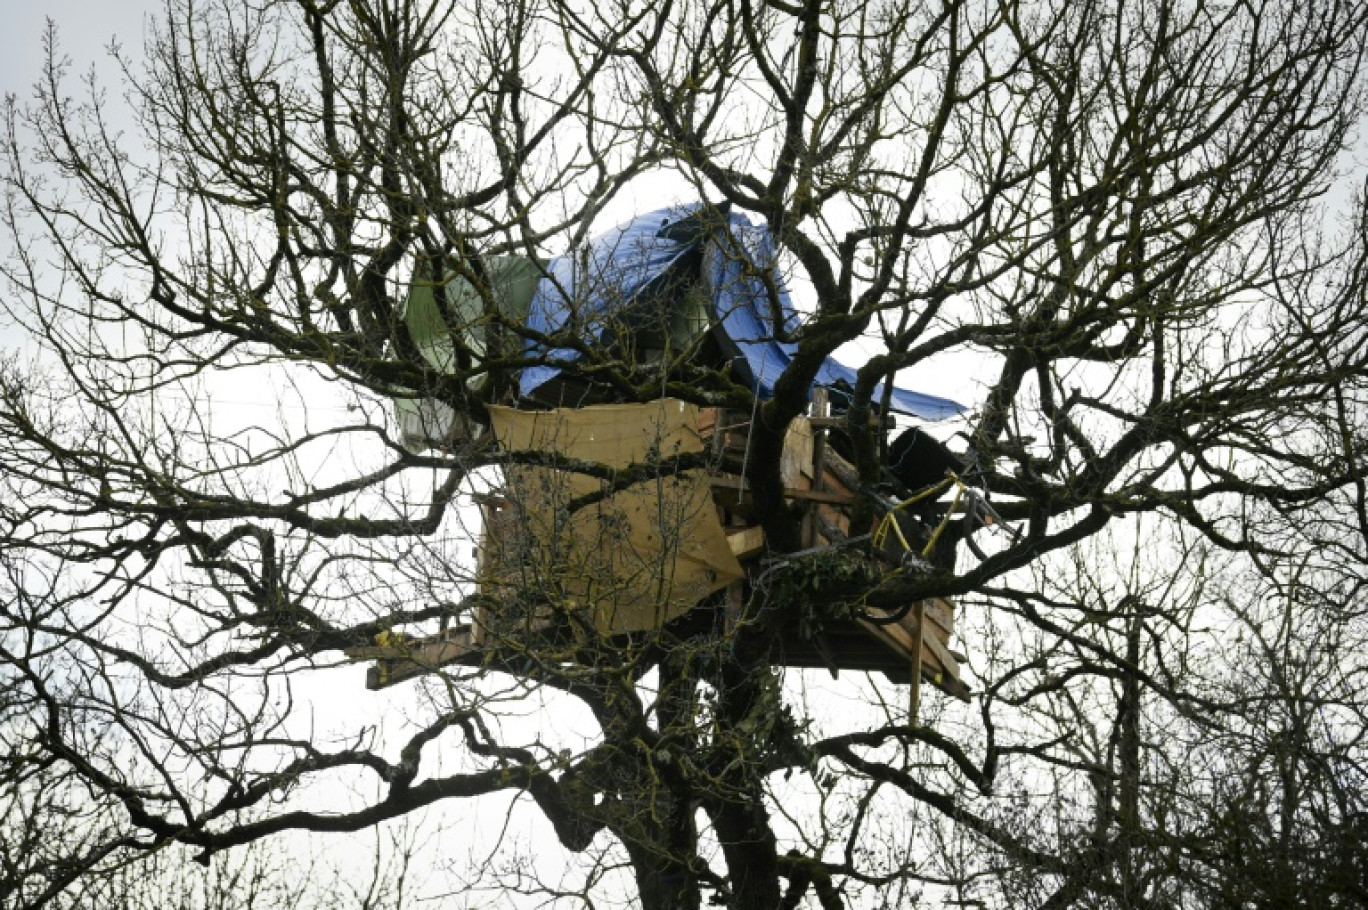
(425, 422)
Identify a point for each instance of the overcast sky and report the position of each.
(84, 26)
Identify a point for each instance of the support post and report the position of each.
(914, 706)
(819, 412)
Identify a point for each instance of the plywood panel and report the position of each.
(631, 560)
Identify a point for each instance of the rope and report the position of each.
(890, 520)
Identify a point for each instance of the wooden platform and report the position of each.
(883, 648)
(853, 645)
(907, 648)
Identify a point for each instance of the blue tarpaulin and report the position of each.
(588, 291)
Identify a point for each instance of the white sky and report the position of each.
(85, 27)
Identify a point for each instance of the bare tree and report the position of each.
(1114, 209)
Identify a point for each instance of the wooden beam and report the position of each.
(818, 467)
(941, 668)
(399, 658)
(942, 614)
(840, 421)
(739, 483)
(746, 542)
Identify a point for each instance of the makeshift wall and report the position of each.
(630, 561)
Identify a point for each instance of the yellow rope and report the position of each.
(890, 520)
(881, 533)
(945, 519)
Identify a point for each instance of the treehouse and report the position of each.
(621, 524)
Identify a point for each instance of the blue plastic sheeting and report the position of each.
(742, 304)
(590, 289)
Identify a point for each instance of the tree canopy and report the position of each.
(1135, 222)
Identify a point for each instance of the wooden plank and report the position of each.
(942, 615)
(730, 482)
(432, 657)
(833, 482)
(894, 635)
(935, 656)
(817, 470)
(942, 655)
(839, 470)
(396, 645)
(795, 461)
(835, 499)
(406, 659)
(840, 421)
(819, 409)
(708, 419)
(746, 542)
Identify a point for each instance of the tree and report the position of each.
(1115, 208)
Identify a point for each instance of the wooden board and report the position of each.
(795, 462)
(747, 542)
(403, 658)
(731, 482)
